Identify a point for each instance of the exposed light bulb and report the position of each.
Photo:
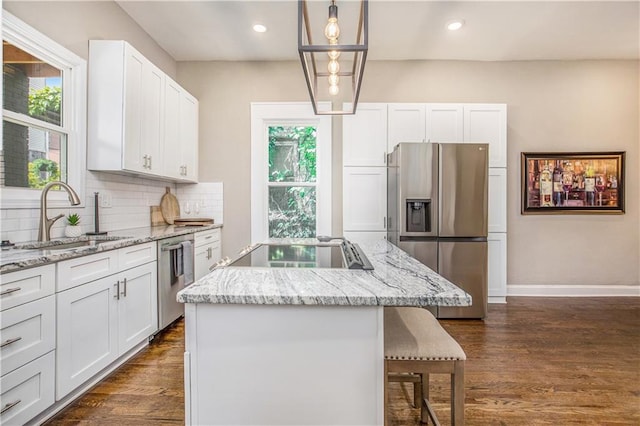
(333, 67)
(333, 90)
(259, 28)
(332, 30)
(333, 79)
(333, 54)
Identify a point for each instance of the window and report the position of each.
(43, 116)
(291, 172)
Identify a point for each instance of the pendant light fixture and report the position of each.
(333, 68)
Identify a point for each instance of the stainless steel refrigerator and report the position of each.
(437, 212)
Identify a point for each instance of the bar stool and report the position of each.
(416, 345)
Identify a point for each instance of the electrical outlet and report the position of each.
(105, 200)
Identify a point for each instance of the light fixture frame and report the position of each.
(309, 67)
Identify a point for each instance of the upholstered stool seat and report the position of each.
(416, 345)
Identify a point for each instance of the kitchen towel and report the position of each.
(176, 264)
(187, 262)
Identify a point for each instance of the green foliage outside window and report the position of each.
(292, 158)
(42, 171)
(45, 103)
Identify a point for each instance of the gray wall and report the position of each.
(552, 106)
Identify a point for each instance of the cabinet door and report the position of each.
(202, 260)
(134, 158)
(364, 198)
(497, 210)
(26, 285)
(364, 136)
(497, 266)
(87, 332)
(407, 123)
(153, 117)
(172, 155)
(189, 136)
(444, 123)
(488, 123)
(137, 306)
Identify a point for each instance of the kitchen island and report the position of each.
(298, 345)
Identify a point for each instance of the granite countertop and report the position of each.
(397, 280)
(32, 254)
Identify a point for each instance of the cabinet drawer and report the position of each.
(137, 255)
(28, 391)
(206, 237)
(24, 286)
(28, 331)
(74, 272)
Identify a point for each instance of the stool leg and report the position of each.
(424, 409)
(457, 394)
(417, 392)
(386, 393)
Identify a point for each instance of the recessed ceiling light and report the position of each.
(259, 28)
(455, 24)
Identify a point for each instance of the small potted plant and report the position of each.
(73, 229)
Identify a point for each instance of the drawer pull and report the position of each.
(124, 293)
(9, 406)
(10, 341)
(117, 287)
(10, 290)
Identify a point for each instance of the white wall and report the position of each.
(552, 106)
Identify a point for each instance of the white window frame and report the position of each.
(74, 112)
(263, 115)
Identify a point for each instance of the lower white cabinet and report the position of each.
(364, 199)
(28, 391)
(497, 209)
(207, 251)
(497, 267)
(101, 320)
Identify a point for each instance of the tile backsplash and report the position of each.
(129, 197)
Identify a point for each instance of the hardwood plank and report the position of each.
(534, 361)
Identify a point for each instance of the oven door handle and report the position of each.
(172, 247)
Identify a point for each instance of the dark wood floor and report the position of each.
(534, 361)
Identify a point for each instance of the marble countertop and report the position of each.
(32, 254)
(397, 280)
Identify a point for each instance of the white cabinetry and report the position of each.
(103, 318)
(444, 123)
(27, 336)
(180, 133)
(488, 123)
(129, 114)
(497, 199)
(364, 136)
(364, 198)
(497, 267)
(407, 123)
(207, 251)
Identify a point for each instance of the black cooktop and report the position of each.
(346, 255)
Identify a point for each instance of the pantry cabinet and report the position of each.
(364, 198)
(364, 136)
(139, 120)
(407, 123)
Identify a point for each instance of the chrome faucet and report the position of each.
(46, 223)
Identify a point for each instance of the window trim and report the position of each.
(264, 114)
(74, 112)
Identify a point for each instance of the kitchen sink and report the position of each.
(68, 244)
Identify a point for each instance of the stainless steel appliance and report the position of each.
(437, 213)
(175, 272)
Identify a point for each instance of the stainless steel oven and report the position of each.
(175, 272)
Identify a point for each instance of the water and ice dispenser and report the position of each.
(418, 215)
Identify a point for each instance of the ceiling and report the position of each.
(399, 30)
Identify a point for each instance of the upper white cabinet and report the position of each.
(407, 123)
(180, 133)
(444, 123)
(136, 117)
(364, 136)
(488, 123)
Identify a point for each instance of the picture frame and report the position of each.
(572, 182)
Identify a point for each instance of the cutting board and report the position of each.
(169, 207)
(193, 221)
(156, 216)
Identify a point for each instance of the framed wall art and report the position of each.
(572, 183)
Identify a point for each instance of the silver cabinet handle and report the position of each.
(124, 293)
(10, 341)
(185, 170)
(10, 290)
(150, 163)
(117, 286)
(144, 165)
(9, 406)
(384, 220)
(209, 253)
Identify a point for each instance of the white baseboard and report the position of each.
(497, 299)
(540, 290)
